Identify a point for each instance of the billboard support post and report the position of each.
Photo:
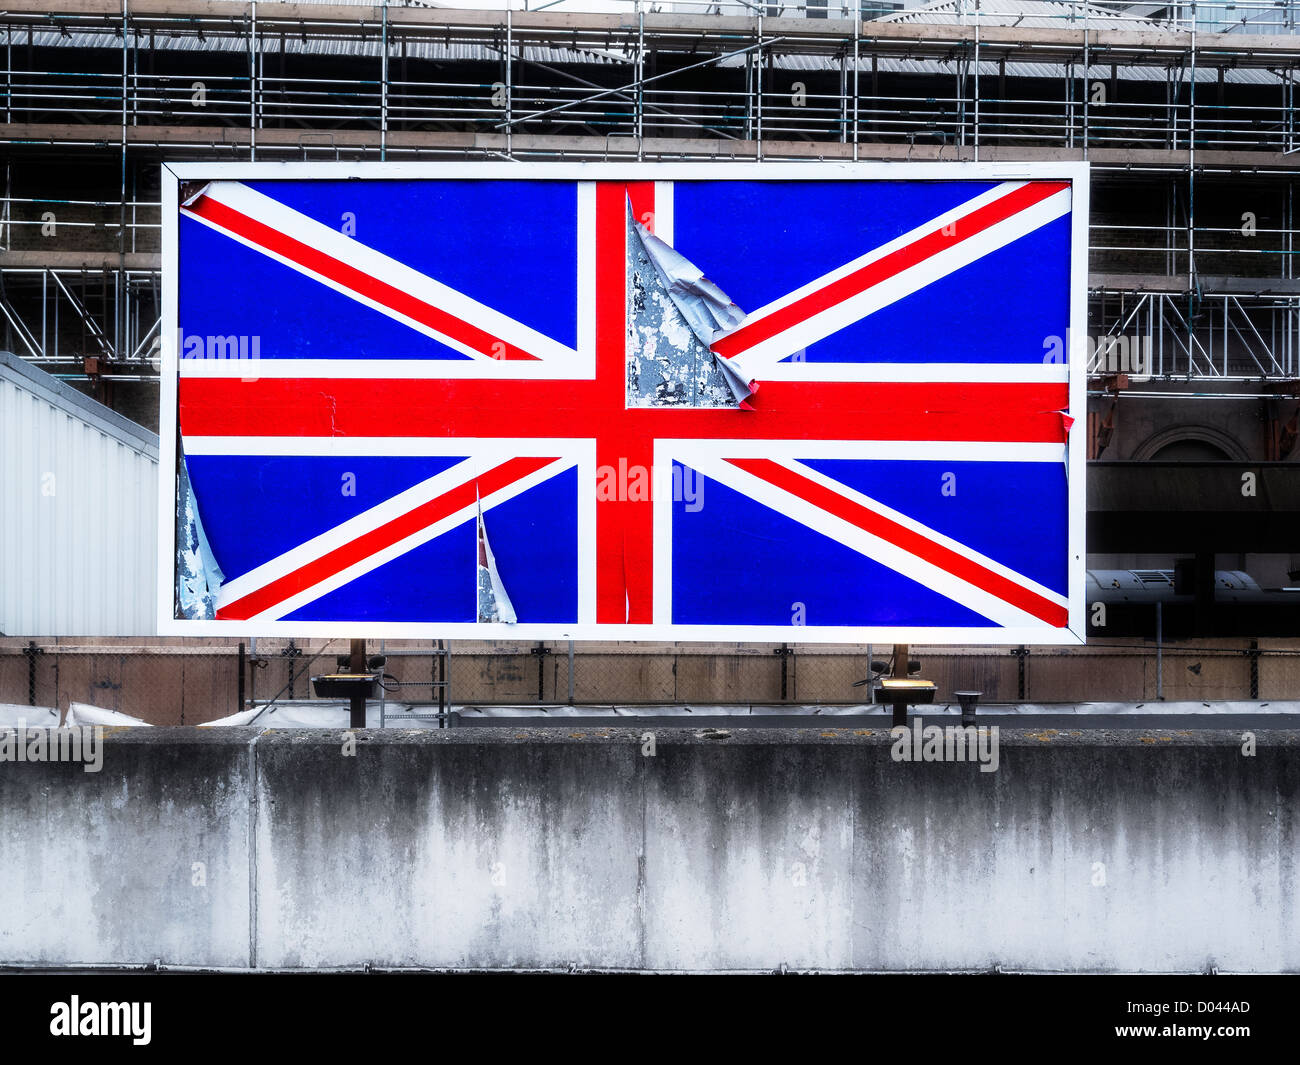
(899, 672)
(357, 666)
(900, 691)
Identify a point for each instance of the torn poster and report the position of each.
(493, 602)
(198, 577)
(1067, 423)
(674, 315)
(191, 191)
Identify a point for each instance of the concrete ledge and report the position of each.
(545, 848)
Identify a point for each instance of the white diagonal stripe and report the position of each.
(1044, 373)
(381, 369)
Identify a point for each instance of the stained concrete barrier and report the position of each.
(521, 848)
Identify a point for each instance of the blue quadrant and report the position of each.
(1009, 306)
(229, 290)
(534, 538)
(511, 245)
(256, 507)
(433, 582)
(1015, 513)
(761, 241)
(737, 562)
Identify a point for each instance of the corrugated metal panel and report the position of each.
(1048, 14)
(78, 534)
(1010, 12)
(271, 44)
(1053, 71)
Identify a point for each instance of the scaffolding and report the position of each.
(1185, 112)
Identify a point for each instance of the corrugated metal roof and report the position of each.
(78, 509)
(1048, 70)
(453, 51)
(466, 52)
(1046, 14)
(1055, 71)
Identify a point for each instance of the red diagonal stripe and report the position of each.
(747, 336)
(908, 539)
(354, 280)
(376, 540)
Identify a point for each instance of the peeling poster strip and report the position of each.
(675, 313)
(493, 602)
(1067, 423)
(198, 577)
(191, 191)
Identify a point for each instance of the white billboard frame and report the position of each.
(1076, 173)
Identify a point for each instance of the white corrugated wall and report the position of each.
(78, 512)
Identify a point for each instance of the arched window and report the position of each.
(1190, 451)
(1191, 443)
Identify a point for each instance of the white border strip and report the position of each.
(922, 450)
(808, 170)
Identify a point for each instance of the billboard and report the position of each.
(741, 402)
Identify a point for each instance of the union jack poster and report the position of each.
(742, 402)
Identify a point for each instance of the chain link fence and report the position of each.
(186, 681)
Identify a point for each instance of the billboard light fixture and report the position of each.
(902, 692)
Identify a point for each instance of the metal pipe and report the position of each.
(383, 87)
(976, 130)
(252, 81)
(640, 84)
(758, 82)
(857, 38)
(510, 121)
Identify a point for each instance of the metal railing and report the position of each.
(201, 680)
(789, 106)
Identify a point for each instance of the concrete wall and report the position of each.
(518, 848)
